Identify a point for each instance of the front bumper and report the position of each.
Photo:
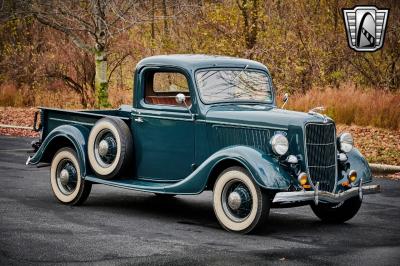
(324, 196)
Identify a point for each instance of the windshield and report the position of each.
(233, 85)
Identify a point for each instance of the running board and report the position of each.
(140, 185)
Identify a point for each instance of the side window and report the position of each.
(162, 87)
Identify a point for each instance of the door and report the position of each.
(163, 130)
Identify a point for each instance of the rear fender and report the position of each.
(74, 136)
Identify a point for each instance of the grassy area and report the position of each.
(377, 144)
(348, 105)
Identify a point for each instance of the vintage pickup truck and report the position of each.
(207, 123)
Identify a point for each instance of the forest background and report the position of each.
(82, 53)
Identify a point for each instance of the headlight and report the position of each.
(345, 142)
(280, 144)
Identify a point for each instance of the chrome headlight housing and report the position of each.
(279, 144)
(345, 142)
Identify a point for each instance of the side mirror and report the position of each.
(180, 98)
(285, 99)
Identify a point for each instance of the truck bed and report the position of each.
(51, 118)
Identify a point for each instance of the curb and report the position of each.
(16, 127)
(384, 168)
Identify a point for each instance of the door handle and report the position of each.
(139, 120)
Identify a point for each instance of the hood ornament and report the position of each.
(317, 112)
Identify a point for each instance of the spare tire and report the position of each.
(110, 147)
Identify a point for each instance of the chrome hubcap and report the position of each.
(234, 200)
(64, 177)
(103, 147)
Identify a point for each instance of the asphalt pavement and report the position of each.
(124, 227)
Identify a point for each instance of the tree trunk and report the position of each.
(153, 27)
(153, 11)
(250, 23)
(165, 14)
(101, 82)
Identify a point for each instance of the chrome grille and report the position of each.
(321, 154)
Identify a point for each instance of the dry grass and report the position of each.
(120, 96)
(348, 105)
(345, 105)
(56, 95)
(8, 95)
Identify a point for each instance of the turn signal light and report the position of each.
(352, 176)
(345, 183)
(302, 178)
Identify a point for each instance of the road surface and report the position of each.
(117, 226)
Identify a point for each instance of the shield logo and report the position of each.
(365, 26)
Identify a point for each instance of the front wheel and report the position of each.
(338, 213)
(66, 180)
(239, 203)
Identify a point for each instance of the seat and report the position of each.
(165, 100)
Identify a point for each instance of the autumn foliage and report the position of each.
(303, 43)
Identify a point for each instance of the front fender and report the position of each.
(266, 171)
(76, 135)
(358, 163)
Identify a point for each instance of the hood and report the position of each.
(259, 116)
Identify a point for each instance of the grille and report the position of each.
(321, 155)
(226, 136)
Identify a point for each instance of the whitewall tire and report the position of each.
(110, 147)
(239, 203)
(65, 177)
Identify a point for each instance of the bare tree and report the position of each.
(92, 25)
(77, 72)
(89, 24)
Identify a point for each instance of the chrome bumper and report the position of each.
(324, 196)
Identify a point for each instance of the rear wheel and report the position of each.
(239, 203)
(66, 180)
(338, 213)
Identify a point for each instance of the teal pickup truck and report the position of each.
(207, 123)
